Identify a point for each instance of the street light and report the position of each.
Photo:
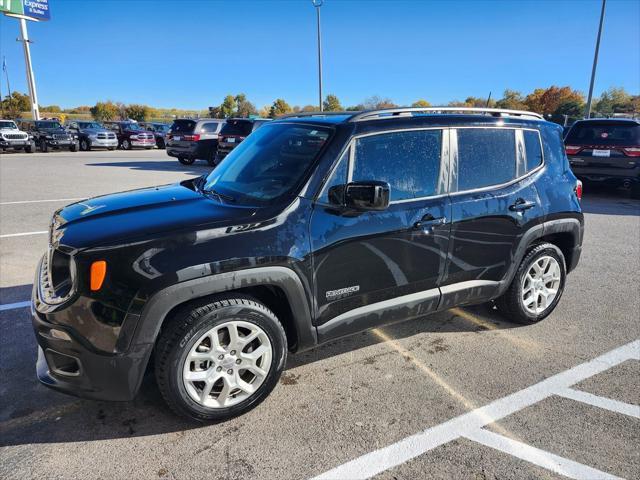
(318, 4)
(587, 112)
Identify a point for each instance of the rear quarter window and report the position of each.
(486, 156)
(533, 149)
(183, 126)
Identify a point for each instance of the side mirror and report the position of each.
(367, 195)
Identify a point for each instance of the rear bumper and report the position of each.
(71, 366)
(606, 174)
(192, 151)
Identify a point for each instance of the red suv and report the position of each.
(606, 150)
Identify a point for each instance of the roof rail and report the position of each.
(315, 114)
(388, 112)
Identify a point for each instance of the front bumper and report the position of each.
(61, 143)
(143, 143)
(103, 143)
(67, 363)
(14, 143)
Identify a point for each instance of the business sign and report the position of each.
(37, 10)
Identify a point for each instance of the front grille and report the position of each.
(60, 136)
(102, 136)
(57, 274)
(15, 136)
(145, 136)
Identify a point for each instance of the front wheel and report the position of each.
(537, 286)
(44, 148)
(85, 146)
(220, 358)
(30, 148)
(73, 147)
(126, 144)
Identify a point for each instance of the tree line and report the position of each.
(554, 102)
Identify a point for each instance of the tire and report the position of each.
(126, 144)
(160, 144)
(85, 145)
(512, 303)
(186, 161)
(212, 158)
(73, 148)
(30, 148)
(111, 148)
(187, 336)
(44, 148)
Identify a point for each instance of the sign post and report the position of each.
(23, 10)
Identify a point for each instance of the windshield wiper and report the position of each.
(221, 196)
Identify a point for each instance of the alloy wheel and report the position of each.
(227, 364)
(541, 284)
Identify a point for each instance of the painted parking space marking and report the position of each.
(14, 306)
(43, 201)
(559, 465)
(468, 424)
(23, 234)
(602, 402)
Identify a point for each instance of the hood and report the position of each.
(140, 214)
(53, 130)
(92, 131)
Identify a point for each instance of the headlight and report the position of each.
(48, 137)
(93, 136)
(133, 137)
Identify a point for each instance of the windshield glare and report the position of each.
(132, 126)
(8, 125)
(92, 125)
(49, 124)
(269, 164)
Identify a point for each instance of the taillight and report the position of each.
(632, 152)
(572, 149)
(578, 189)
(192, 138)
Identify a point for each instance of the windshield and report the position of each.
(4, 124)
(132, 126)
(93, 125)
(48, 124)
(623, 134)
(160, 127)
(268, 165)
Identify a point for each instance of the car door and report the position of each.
(375, 267)
(494, 201)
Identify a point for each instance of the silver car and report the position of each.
(93, 135)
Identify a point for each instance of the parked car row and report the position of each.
(85, 135)
(208, 139)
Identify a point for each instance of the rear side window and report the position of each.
(486, 156)
(183, 126)
(211, 127)
(237, 127)
(624, 134)
(533, 149)
(408, 161)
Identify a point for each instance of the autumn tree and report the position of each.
(137, 112)
(331, 104)
(376, 103)
(547, 100)
(14, 105)
(279, 107)
(615, 100)
(511, 100)
(421, 104)
(244, 108)
(309, 108)
(103, 111)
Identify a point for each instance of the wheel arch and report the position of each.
(279, 288)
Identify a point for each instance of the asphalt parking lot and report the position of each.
(462, 394)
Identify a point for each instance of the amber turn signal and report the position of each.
(98, 272)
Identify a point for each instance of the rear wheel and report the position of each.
(44, 148)
(536, 287)
(186, 161)
(212, 158)
(220, 358)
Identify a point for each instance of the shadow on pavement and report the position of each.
(31, 413)
(200, 167)
(609, 201)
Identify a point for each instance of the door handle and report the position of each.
(429, 221)
(521, 205)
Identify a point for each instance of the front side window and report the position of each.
(486, 156)
(408, 161)
(333, 190)
(268, 165)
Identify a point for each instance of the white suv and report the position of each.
(13, 138)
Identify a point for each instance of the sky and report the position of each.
(190, 54)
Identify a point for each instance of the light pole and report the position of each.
(318, 4)
(587, 112)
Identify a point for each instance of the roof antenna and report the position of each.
(488, 100)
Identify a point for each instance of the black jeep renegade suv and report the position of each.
(313, 228)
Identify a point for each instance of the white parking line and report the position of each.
(602, 402)
(13, 306)
(9, 235)
(560, 465)
(404, 450)
(44, 201)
